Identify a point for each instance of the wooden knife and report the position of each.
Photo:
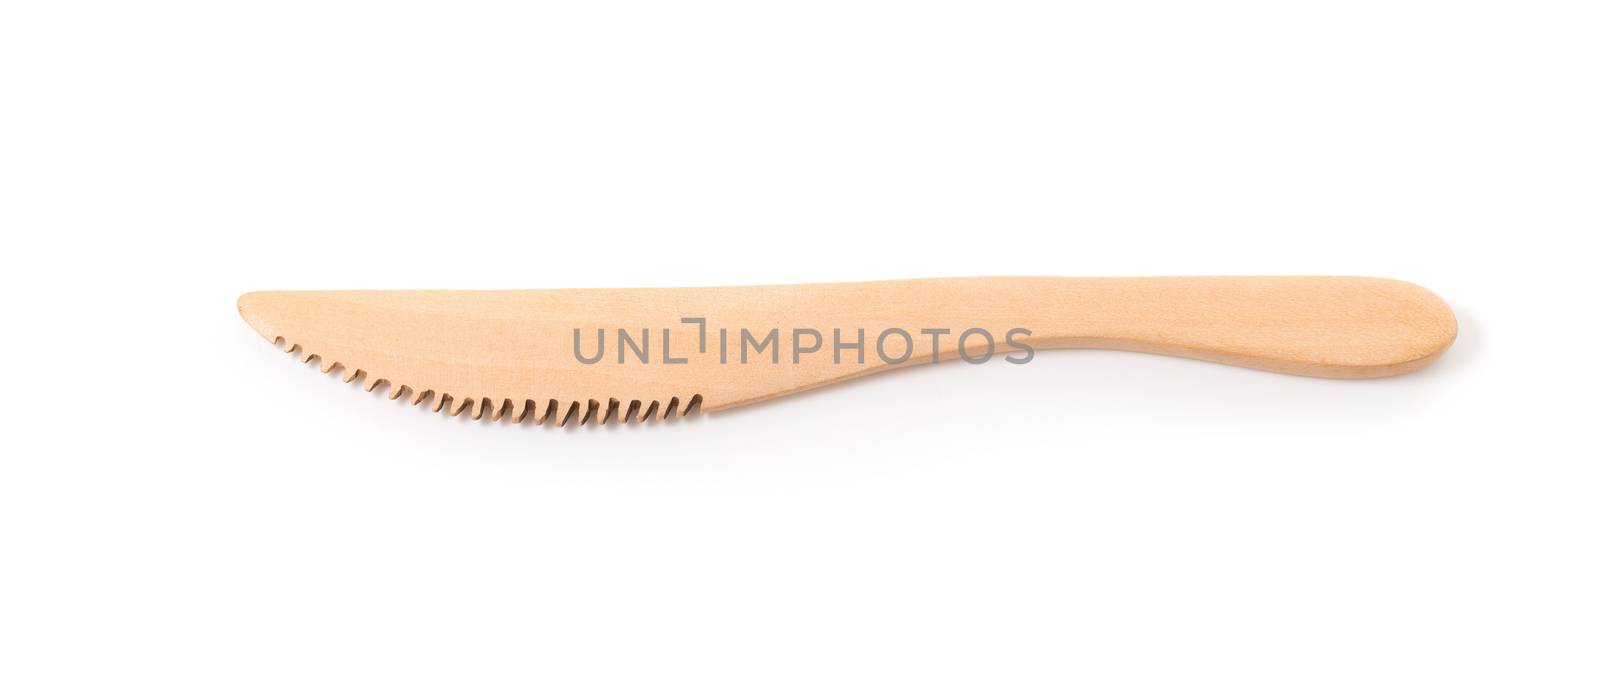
(632, 355)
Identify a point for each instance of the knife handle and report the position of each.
(1337, 327)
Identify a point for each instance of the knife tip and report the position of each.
(252, 307)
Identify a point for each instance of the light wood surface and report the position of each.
(510, 354)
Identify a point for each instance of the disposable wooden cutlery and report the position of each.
(595, 355)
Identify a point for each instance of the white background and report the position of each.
(181, 502)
